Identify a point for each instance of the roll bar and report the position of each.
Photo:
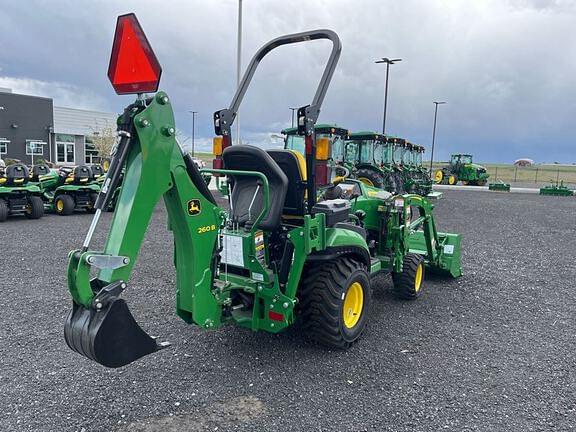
(224, 118)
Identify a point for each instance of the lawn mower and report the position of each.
(17, 195)
(462, 169)
(67, 189)
(278, 254)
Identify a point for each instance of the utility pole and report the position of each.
(388, 63)
(293, 109)
(434, 132)
(238, 64)
(193, 128)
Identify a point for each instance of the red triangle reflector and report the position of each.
(133, 66)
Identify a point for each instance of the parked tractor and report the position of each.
(418, 174)
(277, 255)
(461, 168)
(369, 155)
(17, 195)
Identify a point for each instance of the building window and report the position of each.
(90, 151)
(4, 146)
(34, 147)
(65, 148)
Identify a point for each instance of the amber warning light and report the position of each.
(133, 67)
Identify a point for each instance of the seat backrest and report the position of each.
(82, 174)
(294, 167)
(97, 170)
(39, 171)
(16, 175)
(246, 197)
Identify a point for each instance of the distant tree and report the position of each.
(103, 139)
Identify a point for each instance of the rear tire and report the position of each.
(335, 300)
(64, 205)
(4, 210)
(370, 177)
(390, 183)
(90, 207)
(408, 285)
(35, 208)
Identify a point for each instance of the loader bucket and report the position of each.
(447, 262)
(109, 336)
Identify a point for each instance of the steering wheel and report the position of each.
(339, 174)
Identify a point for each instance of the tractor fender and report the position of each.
(342, 242)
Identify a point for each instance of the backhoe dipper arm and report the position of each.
(100, 325)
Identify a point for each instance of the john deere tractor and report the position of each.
(372, 159)
(68, 189)
(422, 183)
(17, 195)
(462, 169)
(277, 255)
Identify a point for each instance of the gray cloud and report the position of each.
(506, 68)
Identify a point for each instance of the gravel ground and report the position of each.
(492, 351)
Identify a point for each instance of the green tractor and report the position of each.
(18, 196)
(370, 153)
(277, 256)
(462, 169)
(420, 177)
(67, 189)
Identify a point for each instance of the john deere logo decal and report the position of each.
(194, 207)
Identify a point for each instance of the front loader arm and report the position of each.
(155, 168)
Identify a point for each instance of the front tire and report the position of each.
(4, 210)
(64, 205)
(35, 208)
(370, 177)
(408, 285)
(90, 207)
(335, 300)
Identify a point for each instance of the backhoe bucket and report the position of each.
(109, 336)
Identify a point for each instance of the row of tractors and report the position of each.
(378, 160)
(30, 191)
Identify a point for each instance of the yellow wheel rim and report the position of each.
(452, 180)
(366, 181)
(59, 205)
(106, 165)
(418, 278)
(353, 304)
(438, 176)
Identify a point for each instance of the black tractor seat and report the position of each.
(39, 171)
(16, 175)
(82, 175)
(247, 196)
(294, 167)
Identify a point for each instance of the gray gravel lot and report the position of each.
(492, 351)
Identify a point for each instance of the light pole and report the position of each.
(293, 109)
(238, 61)
(388, 63)
(193, 128)
(434, 132)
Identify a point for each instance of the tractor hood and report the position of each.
(476, 167)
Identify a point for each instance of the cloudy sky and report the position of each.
(507, 68)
